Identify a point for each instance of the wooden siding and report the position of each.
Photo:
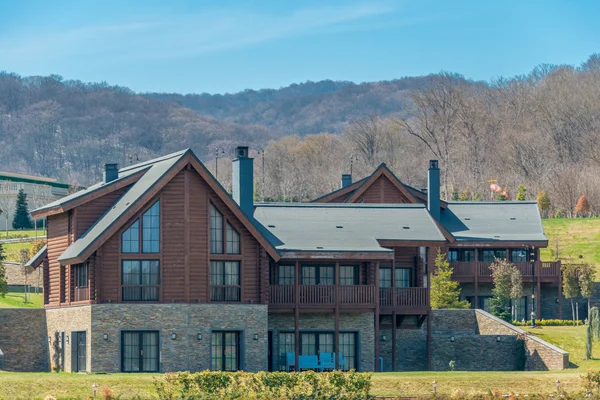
(58, 230)
(184, 269)
(383, 191)
(88, 213)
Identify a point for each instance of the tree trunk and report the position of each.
(572, 311)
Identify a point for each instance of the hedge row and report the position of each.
(550, 322)
(263, 385)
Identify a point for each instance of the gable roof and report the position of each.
(37, 259)
(382, 170)
(348, 190)
(310, 227)
(157, 174)
(505, 221)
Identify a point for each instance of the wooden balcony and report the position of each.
(464, 271)
(322, 297)
(412, 300)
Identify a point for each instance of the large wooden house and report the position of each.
(158, 268)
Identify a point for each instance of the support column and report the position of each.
(560, 316)
(377, 369)
(429, 340)
(538, 305)
(297, 318)
(394, 304)
(476, 273)
(337, 315)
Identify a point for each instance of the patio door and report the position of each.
(139, 351)
(80, 351)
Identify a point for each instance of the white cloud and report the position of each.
(173, 36)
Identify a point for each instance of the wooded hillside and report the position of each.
(540, 130)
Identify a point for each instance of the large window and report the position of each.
(314, 343)
(139, 351)
(490, 255)
(148, 234)
(465, 255)
(151, 229)
(130, 239)
(348, 349)
(453, 255)
(219, 236)
(225, 281)
(349, 275)
(519, 255)
(318, 275)
(81, 275)
(140, 280)
(285, 275)
(287, 344)
(225, 351)
(403, 277)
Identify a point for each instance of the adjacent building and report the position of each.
(158, 268)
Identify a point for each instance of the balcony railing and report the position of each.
(465, 269)
(81, 293)
(357, 295)
(412, 297)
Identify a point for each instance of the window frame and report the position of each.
(77, 268)
(239, 349)
(226, 225)
(141, 286)
(224, 298)
(355, 276)
(513, 251)
(287, 277)
(318, 277)
(141, 356)
(140, 228)
(482, 255)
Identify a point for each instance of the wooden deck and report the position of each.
(546, 272)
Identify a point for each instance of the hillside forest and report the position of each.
(540, 130)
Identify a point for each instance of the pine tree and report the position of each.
(445, 292)
(3, 280)
(582, 208)
(22, 219)
(508, 285)
(543, 202)
(521, 193)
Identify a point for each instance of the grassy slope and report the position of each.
(575, 237)
(36, 385)
(15, 300)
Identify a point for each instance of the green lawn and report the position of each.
(12, 250)
(15, 300)
(25, 232)
(68, 386)
(575, 237)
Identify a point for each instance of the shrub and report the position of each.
(550, 322)
(263, 385)
(591, 380)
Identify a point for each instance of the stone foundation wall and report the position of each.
(23, 339)
(67, 320)
(411, 349)
(363, 323)
(186, 352)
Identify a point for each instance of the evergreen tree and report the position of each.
(477, 196)
(570, 285)
(543, 202)
(508, 285)
(3, 280)
(593, 331)
(465, 195)
(454, 196)
(445, 292)
(22, 219)
(586, 282)
(521, 193)
(582, 208)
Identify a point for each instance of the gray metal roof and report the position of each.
(344, 227)
(123, 173)
(517, 221)
(155, 172)
(37, 258)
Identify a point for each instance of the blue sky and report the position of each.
(226, 46)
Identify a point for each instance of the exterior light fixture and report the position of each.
(199, 336)
(173, 336)
(49, 339)
(497, 338)
(434, 386)
(383, 338)
(67, 339)
(105, 337)
(452, 338)
(256, 336)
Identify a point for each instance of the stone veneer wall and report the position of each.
(23, 339)
(186, 352)
(68, 320)
(539, 355)
(411, 349)
(364, 323)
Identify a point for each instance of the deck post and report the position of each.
(560, 316)
(539, 286)
(377, 369)
(297, 318)
(337, 315)
(394, 304)
(476, 273)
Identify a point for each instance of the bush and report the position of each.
(592, 380)
(549, 322)
(263, 385)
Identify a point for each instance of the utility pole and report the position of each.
(353, 158)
